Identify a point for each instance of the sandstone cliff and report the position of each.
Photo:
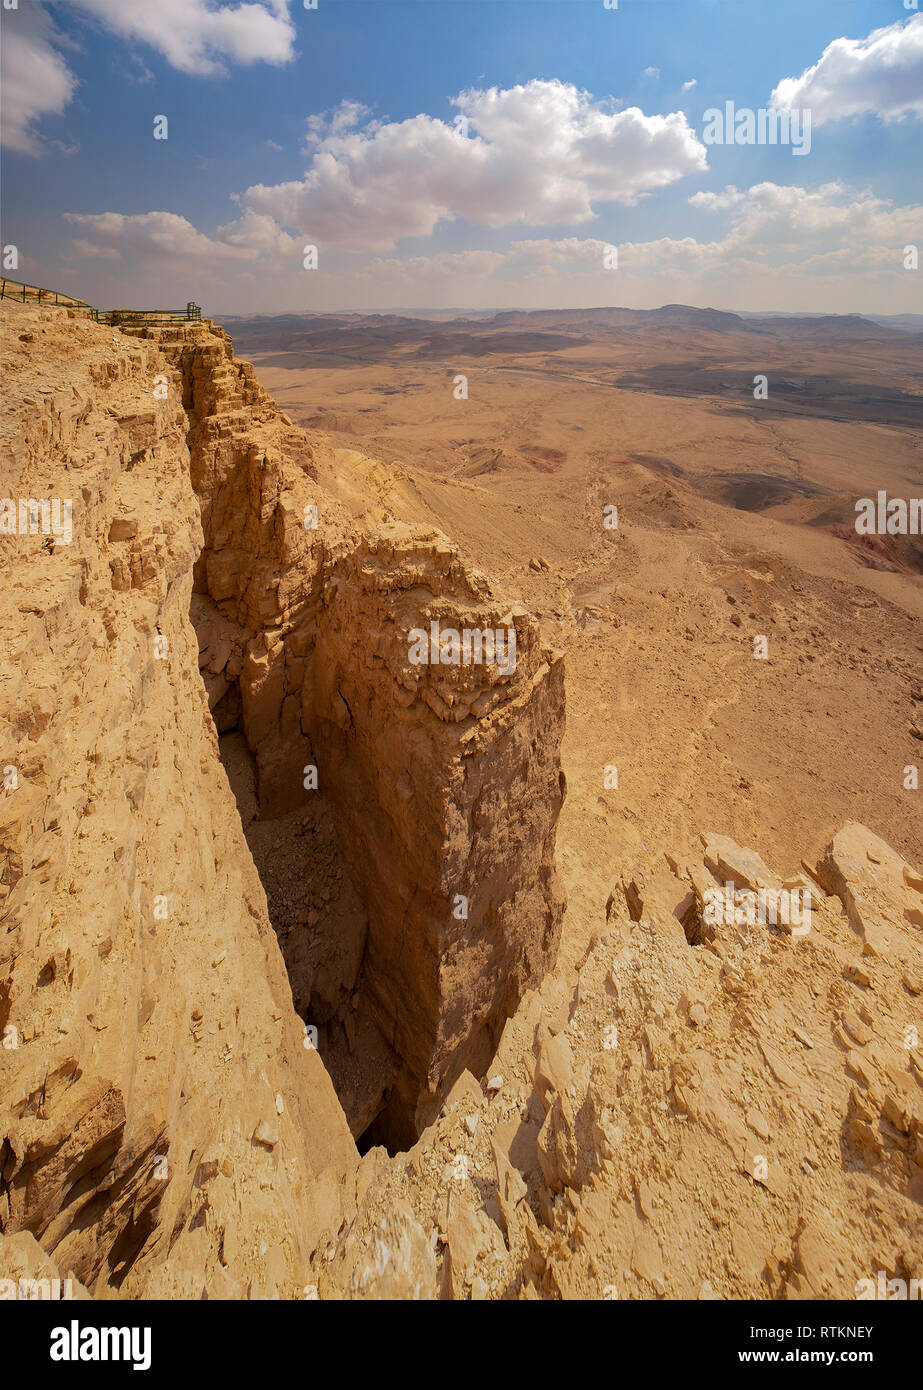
(166, 1129)
(734, 1113)
(233, 806)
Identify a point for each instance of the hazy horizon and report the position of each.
(481, 311)
(464, 156)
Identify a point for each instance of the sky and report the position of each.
(380, 155)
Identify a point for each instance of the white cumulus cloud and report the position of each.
(196, 36)
(36, 80)
(542, 154)
(773, 218)
(151, 235)
(87, 251)
(882, 74)
(258, 234)
(769, 226)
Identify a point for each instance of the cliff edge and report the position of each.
(171, 569)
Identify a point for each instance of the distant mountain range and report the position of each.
(667, 316)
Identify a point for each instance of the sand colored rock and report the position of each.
(446, 786)
(743, 867)
(165, 1130)
(131, 1056)
(26, 1272)
(681, 1112)
(767, 1148)
(880, 891)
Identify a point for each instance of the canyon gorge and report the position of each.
(290, 1005)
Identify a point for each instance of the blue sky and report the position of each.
(338, 128)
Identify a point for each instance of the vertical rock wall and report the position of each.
(163, 1129)
(444, 780)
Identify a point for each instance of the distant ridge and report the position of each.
(667, 317)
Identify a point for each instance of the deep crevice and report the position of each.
(322, 932)
(427, 786)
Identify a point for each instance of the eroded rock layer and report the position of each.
(444, 779)
(164, 1128)
(735, 1114)
(447, 785)
(162, 1124)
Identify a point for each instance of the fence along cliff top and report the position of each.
(37, 294)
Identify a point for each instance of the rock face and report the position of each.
(731, 1117)
(447, 786)
(879, 890)
(164, 1129)
(444, 779)
(145, 1014)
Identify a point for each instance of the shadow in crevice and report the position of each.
(322, 930)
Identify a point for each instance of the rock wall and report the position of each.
(163, 1128)
(162, 1125)
(444, 779)
(447, 785)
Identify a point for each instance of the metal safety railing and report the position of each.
(148, 318)
(37, 294)
(154, 318)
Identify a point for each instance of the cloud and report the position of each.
(256, 233)
(651, 72)
(779, 247)
(542, 154)
(36, 80)
(780, 232)
(882, 74)
(131, 67)
(567, 256)
(196, 36)
(771, 218)
(688, 86)
(87, 251)
(573, 254)
(334, 122)
(271, 145)
(729, 197)
(193, 35)
(772, 231)
(153, 235)
(775, 234)
(771, 228)
(448, 268)
(671, 253)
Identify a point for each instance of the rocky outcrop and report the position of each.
(27, 1272)
(879, 890)
(447, 786)
(443, 778)
(737, 1117)
(146, 1018)
(164, 1129)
